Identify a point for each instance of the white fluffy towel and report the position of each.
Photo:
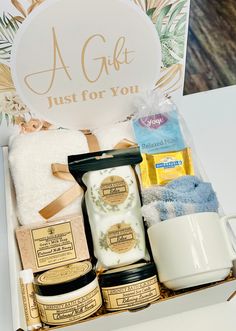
(109, 136)
(30, 157)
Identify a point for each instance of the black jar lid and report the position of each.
(64, 279)
(126, 275)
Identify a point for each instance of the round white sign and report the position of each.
(79, 63)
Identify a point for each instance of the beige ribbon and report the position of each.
(125, 143)
(61, 171)
(92, 141)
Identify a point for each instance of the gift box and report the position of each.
(176, 303)
(82, 71)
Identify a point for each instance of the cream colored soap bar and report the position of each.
(48, 245)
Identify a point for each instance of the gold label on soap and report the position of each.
(131, 295)
(121, 238)
(53, 244)
(65, 273)
(70, 311)
(114, 190)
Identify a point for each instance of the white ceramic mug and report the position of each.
(191, 250)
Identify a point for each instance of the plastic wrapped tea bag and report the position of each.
(157, 125)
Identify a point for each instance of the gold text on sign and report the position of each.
(56, 54)
(101, 64)
(121, 55)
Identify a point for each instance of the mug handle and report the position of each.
(229, 235)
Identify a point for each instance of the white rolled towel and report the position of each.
(30, 157)
(109, 136)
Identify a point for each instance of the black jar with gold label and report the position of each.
(129, 287)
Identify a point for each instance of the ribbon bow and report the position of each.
(61, 171)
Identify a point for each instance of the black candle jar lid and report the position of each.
(64, 279)
(126, 275)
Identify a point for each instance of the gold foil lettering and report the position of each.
(56, 54)
(87, 95)
(57, 101)
(120, 56)
(116, 91)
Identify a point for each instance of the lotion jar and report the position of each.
(130, 287)
(67, 294)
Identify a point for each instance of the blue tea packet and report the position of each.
(158, 133)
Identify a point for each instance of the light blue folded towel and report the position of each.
(182, 196)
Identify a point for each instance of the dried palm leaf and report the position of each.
(34, 5)
(171, 79)
(158, 4)
(8, 29)
(141, 4)
(19, 7)
(19, 19)
(6, 83)
(155, 7)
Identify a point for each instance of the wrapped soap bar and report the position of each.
(159, 169)
(113, 205)
(50, 244)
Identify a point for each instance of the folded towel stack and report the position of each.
(30, 157)
(183, 196)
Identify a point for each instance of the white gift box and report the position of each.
(166, 71)
(208, 295)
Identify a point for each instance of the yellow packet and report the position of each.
(159, 169)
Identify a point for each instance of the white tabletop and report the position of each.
(211, 118)
(221, 317)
